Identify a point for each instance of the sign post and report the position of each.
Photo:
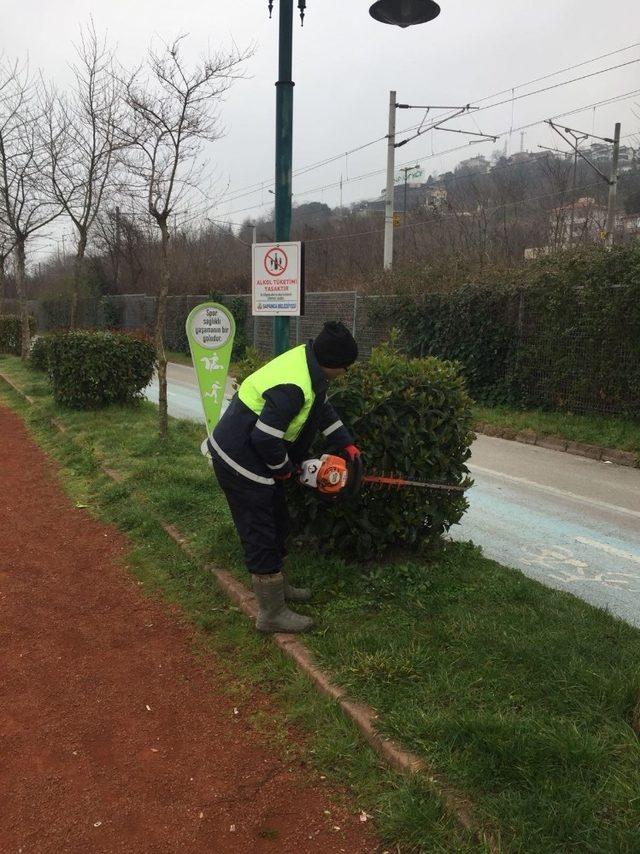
(278, 279)
(210, 331)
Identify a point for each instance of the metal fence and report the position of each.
(137, 311)
(555, 366)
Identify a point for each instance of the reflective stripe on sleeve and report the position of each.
(333, 428)
(240, 469)
(279, 434)
(281, 466)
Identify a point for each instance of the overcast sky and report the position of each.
(345, 63)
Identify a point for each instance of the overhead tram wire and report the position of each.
(489, 106)
(510, 100)
(258, 185)
(453, 149)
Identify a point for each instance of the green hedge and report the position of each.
(474, 326)
(562, 333)
(93, 369)
(39, 353)
(11, 333)
(409, 416)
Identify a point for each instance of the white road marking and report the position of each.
(561, 493)
(609, 549)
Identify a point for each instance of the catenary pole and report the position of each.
(613, 187)
(284, 151)
(391, 158)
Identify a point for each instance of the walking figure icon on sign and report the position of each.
(215, 390)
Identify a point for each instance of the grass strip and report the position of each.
(178, 357)
(520, 696)
(407, 814)
(610, 432)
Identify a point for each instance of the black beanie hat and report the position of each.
(335, 346)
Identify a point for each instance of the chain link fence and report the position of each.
(553, 362)
(137, 312)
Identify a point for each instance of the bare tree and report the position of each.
(7, 243)
(26, 205)
(173, 113)
(82, 142)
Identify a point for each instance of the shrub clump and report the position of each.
(410, 417)
(89, 370)
(39, 353)
(248, 364)
(11, 333)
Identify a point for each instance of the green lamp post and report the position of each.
(402, 13)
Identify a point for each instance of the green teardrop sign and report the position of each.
(210, 331)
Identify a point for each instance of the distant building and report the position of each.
(435, 196)
(601, 153)
(474, 164)
(583, 218)
(521, 157)
(419, 195)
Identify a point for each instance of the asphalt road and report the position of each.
(569, 522)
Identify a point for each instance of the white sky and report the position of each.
(345, 63)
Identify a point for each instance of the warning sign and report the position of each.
(278, 279)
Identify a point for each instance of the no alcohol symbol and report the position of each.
(276, 261)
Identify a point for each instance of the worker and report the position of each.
(261, 441)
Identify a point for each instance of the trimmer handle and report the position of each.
(354, 480)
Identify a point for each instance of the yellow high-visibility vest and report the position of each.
(290, 368)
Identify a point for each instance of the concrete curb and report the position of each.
(557, 443)
(363, 716)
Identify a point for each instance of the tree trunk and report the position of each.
(3, 281)
(165, 279)
(21, 289)
(78, 278)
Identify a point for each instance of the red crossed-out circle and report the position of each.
(277, 256)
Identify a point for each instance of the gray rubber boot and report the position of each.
(295, 594)
(274, 616)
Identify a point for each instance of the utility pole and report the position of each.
(613, 187)
(391, 168)
(612, 179)
(391, 154)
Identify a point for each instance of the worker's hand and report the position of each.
(283, 476)
(352, 451)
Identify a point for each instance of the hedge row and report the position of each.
(564, 334)
(88, 370)
(410, 417)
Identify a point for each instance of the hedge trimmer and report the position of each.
(334, 476)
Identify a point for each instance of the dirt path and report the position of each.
(112, 736)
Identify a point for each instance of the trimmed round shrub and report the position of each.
(410, 417)
(39, 353)
(11, 333)
(89, 370)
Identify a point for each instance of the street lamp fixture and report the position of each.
(404, 13)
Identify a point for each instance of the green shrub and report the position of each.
(252, 360)
(11, 333)
(409, 416)
(39, 353)
(93, 369)
(561, 333)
